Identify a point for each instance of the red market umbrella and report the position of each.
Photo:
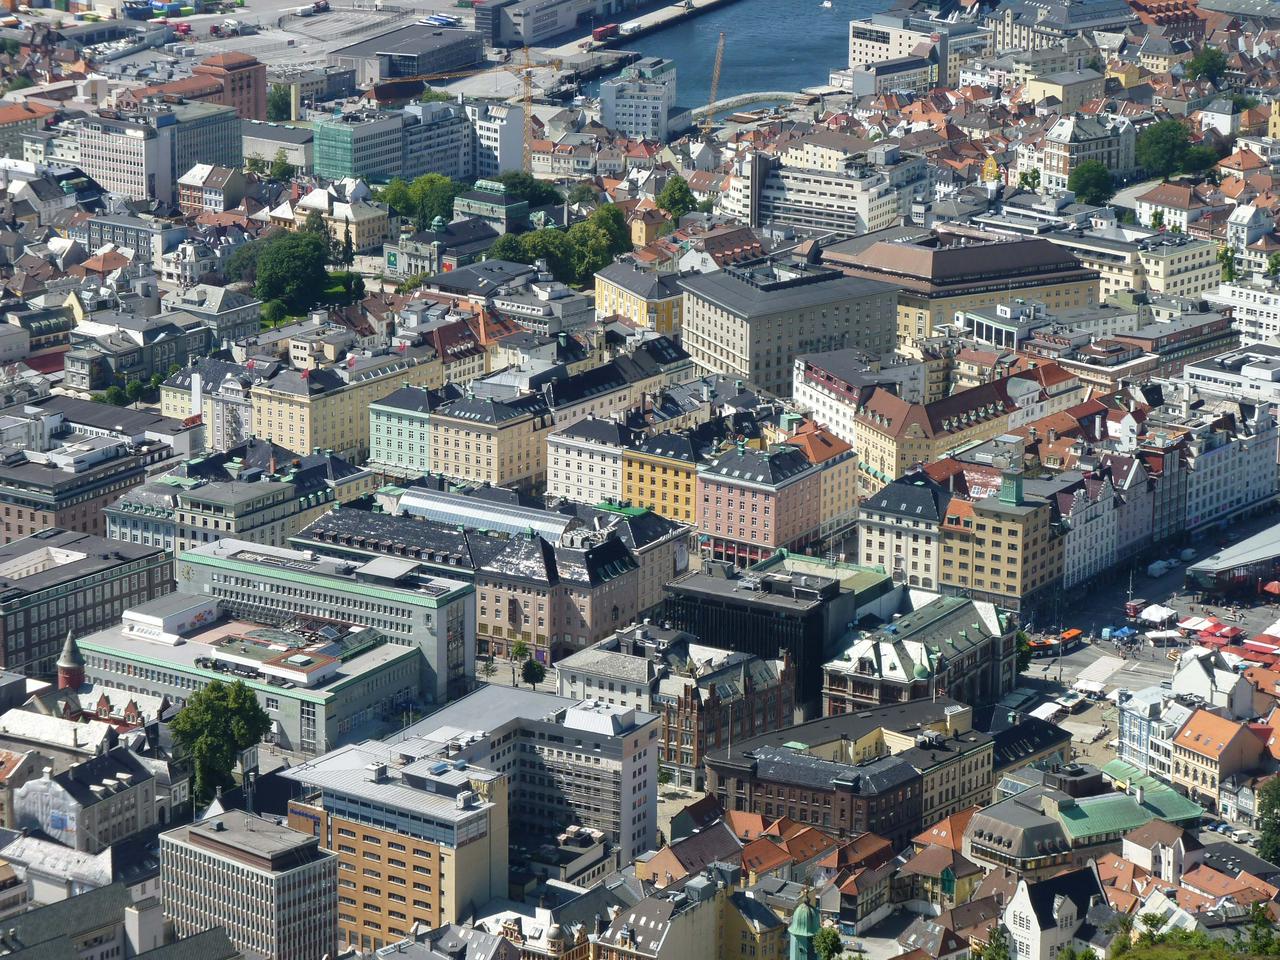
(1272, 588)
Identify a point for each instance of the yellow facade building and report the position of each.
(645, 297)
(328, 408)
(661, 474)
(1001, 549)
(499, 442)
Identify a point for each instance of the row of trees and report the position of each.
(431, 195)
(574, 255)
(278, 168)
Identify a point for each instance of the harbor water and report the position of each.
(769, 45)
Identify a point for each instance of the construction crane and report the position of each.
(707, 122)
(525, 70)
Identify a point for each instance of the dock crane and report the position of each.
(707, 122)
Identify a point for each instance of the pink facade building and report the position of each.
(753, 502)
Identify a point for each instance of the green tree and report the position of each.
(291, 268)
(519, 654)
(273, 312)
(610, 219)
(1029, 180)
(507, 247)
(1024, 651)
(1273, 264)
(1157, 219)
(826, 943)
(1091, 183)
(707, 206)
(1243, 101)
(314, 224)
(997, 947)
(1162, 147)
(1199, 158)
(396, 195)
(1227, 257)
(19, 83)
(218, 723)
(133, 391)
(524, 186)
(555, 248)
(279, 106)
(583, 194)
(256, 165)
(1121, 929)
(488, 668)
(1269, 817)
(676, 198)
(1209, 64)
(590, 250)
(115, 395)
(532, 672)
(1150, 924)
(431, 95)
(281, 168)
(346, 253)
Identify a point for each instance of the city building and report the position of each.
(1003, 549)
(1251, 373)
(255, 491)
(752, 502)
(431, 614)
(702, 695)
(400, 433)
(584, 460)
(936, 278)
(889, 36)
(488, 440)
(409, 51)
(890, 771)
(964, 647)
(567, 762)
(1132, 259)
(837, 465)
(792, 603)
(1045, 917)
(1208, 751)
(640, 103)
(648, 298)
(660, 473)
(321, 681)
(892, 435)
(91, 805)
(271, 888)
(851, 191)
(752, 321)
(60, 583)
(418, 841)
(243, 82)
(1075, 139)
(1254, 305)
(900, 529)
(328, 407)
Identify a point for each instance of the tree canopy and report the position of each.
(574, 255)
(218, 723)
(278, 105)
(423, 199)
(1210, 63)
(676, 198)
(1269, 817)
(290, 268)
(1162, 148)
(1091, 183)
(524, 186)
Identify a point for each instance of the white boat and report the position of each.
(826, 4)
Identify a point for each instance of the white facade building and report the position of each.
(1233, 467)
(1254, 306)
(584, 460)
(639, 103)
(272, 888)
(1043, 917)
(1251, 373)
(1091, 518)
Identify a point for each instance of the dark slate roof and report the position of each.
(751, 291)
(914, 496)
(210, 944)
(1019, 739)
(1078, 886)
(71, 918)
(599, 430)
(482, 278)
(420, 399)
(78, 780)
(595, 564)
(785, 765)
(489, 410)
(772, 467)
(636, 527)
(649, 284)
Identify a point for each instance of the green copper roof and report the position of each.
(804, 922)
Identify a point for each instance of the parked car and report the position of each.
(1241, 836)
